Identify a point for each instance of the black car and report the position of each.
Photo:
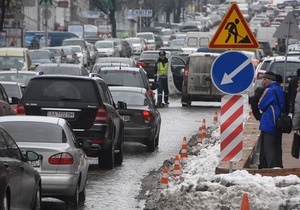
(142, 118)
(147, 60)
(86, 103)
(127, 76)
(20, 183)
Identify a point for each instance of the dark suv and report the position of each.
(86, 103)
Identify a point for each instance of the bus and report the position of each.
(55, 38)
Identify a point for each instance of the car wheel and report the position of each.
(81, 198)
(5, 201)
(72, 202)
(37, 203)
(107, 157)
(119, 156)
(157, 141)
(151, 145)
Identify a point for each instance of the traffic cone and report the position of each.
(176, 167)
(216, 118)
(164, 178)
(245, 202)
(203, 129)
(199, 135)
(183, 153)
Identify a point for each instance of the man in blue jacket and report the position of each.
(271, 137)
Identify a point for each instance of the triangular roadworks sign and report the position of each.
(233, 32)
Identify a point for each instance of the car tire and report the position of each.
(106, 158)
(5, 202)
(72, 202)
(82, 196)
(157, 141)
(37, 202)
(119, 156)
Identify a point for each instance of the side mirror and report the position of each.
(122, 105)
(32, 156)
(14, 100)
(154, 85)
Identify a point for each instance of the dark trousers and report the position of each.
(270, 150)
(163, 87)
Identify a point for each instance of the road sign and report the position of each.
(231, 128)
(233, 32)
(232, 72)
(288, 28)
(143, 13)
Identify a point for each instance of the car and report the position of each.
(81, 57)
(70, 54)
(5, 107)
(131, 62)
(17, 76)
(127, 76)
(14, 92)
(62, 68)
(94, 54)
(58, 53)
(107, 48)
(150, 39)
(15, 58)
(147, 60)
(86, 103)
(64, 165)
(20, 183)
(137, 44)
(84, 54)
(142, 118)
(41, 56)
(286, 67)
(176, 43)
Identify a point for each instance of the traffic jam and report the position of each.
(75, 97)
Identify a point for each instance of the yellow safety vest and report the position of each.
(162, 70)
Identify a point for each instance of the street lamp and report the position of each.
(140, 18)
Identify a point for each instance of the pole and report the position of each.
(38, 16)
(46, 24)
(107, 12)
(285, 54)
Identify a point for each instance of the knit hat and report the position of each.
(279, 78)
(269, 75)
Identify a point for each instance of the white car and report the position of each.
(150, 39)
(107, 48)
(138, 46)
(63, 166)
(80, 54)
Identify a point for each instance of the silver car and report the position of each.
(63, 166)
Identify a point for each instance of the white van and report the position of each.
(197, 39)
(197, 82)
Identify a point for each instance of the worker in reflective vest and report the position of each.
(162, 73)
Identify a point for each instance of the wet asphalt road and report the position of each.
(118, 188)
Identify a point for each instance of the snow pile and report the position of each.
(199, 188)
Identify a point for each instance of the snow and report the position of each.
(200, 188)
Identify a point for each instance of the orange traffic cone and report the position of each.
(199, 135)
(183, 153)
(203, 129)
(176, 167)
(164, 178)
(245, 202)
(216, 118)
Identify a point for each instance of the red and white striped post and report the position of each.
(231, 128)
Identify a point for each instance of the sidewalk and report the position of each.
(250, 138)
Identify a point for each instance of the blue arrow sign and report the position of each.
(232, 72)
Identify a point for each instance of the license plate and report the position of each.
(35, 163)
(126, 118)
(61, 114)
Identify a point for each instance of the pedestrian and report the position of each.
(34, 43)
(296, 115)
(270, 104)
(161, 68)
(292, 90)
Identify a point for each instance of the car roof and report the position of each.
(60, 65)
(66, 77)
(31, 118)
(118, 68)
(12, 83)
(17, 72)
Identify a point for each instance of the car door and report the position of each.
(14, 170)
(175, 74)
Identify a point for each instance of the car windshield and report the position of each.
(134, 41)
(130, 98)
(146, 36)
(119, 78)
(74, 42)
(76, 48)
(103, 44)
(11, 62)
(150, 55)
(35, 132)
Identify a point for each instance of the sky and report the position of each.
(200, 188)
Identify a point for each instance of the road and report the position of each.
(118, 188)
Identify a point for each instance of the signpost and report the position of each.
(232, 73)
(288, 29)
